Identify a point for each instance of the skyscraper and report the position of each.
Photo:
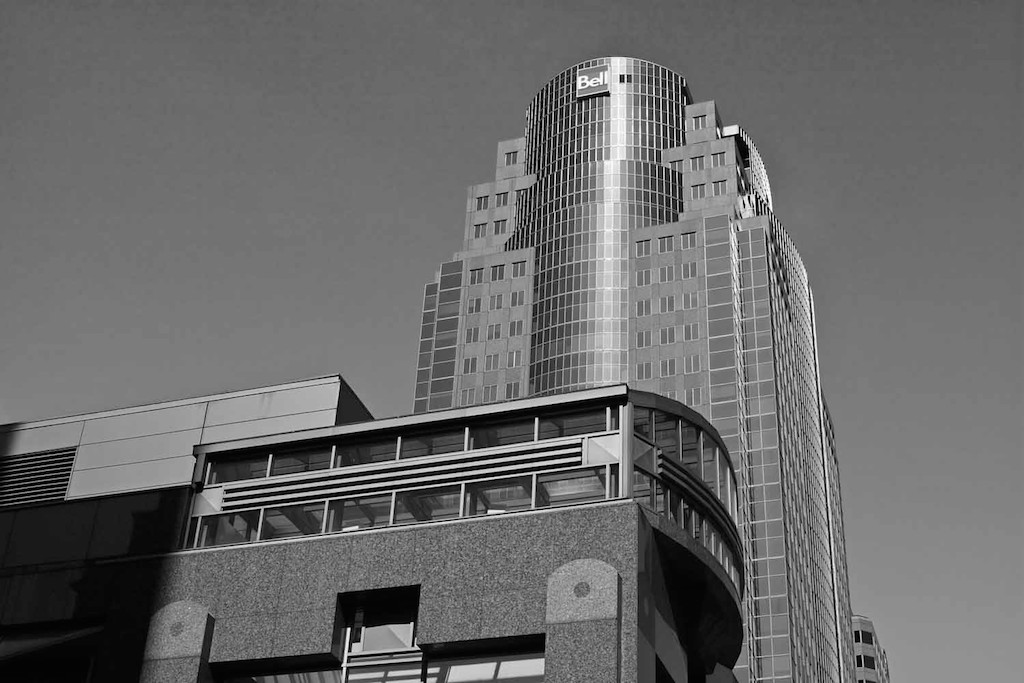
(629, 236)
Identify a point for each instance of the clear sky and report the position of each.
(203, 196)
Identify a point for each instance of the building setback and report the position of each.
(279, 535)
(629, 236)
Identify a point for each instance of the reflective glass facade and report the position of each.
(656, 259)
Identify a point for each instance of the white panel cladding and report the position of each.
(272, 425)
(273, 404)
(139, 449)
(138, 476)
(19, 440)
(145, 423)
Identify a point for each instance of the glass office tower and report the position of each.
(630, 237)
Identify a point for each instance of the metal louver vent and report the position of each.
(35, 477)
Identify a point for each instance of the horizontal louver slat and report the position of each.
(35, 477)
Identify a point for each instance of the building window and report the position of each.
(468, 365)
(519, 269)
(697, 191)
(467, 396)
(385, 623)
(667, 335)
(643, 307)
(497, 272)
(472, 335)
(500, 226)
(517, 668)
(691, 364)
(490, 393)
(697, 163)
(491, 362)
(476, 276)
(511, 158)
(643, 277)
(515, 328)
(480, 230)
(518, 298)
(856, 636)
(690, 332)
(666, 273)
(625, 78)
(869, 662)
(494, 331)
(667, 304)
(668, 367)
(688, 240)
(501, 199)
(511, 391)
(671, 395)
(643, 248)
(867, 638)
(496, 301)
(688, 270)
(689, 300)
(692, 396)
(643, 371)
(717, 159)
(718, 188)
(699, 122)
(860, 660)
(481, 202)
(514, 359)
(666, 244)
(643, 339)
(473, 305)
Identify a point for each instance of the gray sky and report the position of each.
(204, 196)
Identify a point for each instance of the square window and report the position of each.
(511, 391)
(643, 248)
(500, 227)
(666, 274)
(643, 277)
(473, 305)
(667, 335)
(518, 298)
(697, 163)
(501, 199)
(697, 191)
(643, 339)
(699, 122)
(491, 362)
(689, 301)
(468, 365)
(496, 301)
(692, 396)
(481, 202)
(688, 270)
(643, 307)
(497, 272)
(515, 328)
(490, 393)
(467, 396)
(717, 159)
(476, 276)
(472, 335)
(668, 367)
(494, 331)
(511, 158)
(691, 364)
(514, 359)
(519, 269)
(665, 244)
(718, 188)
(690, 332)
(479, 230)
(667, 304)
(688, 240)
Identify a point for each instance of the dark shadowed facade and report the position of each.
(281, 535)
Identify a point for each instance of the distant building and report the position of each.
(629, 236)
(280, 535)
(871, 661)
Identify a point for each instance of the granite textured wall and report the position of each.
(484, 578)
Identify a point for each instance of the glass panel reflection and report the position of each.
(573, 424)
(378, 450)
(451, 441)
(293, 520)
(365, 512)
(427, 505)
(234, 527)
(301, 460)
(498, 496)
(501, 434)
(525, 668)
(239, 468)
(569, 487)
